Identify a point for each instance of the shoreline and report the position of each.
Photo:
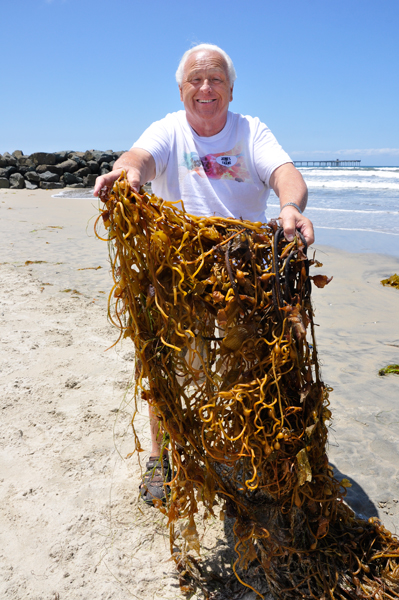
(70, 512)
(352, 241)
(359, 242)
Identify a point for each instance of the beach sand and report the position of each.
(71, 524)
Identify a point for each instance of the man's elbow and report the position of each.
(305, 192)
(302, 187)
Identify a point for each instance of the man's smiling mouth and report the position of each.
(206, 101)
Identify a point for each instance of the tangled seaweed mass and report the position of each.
(220, 314)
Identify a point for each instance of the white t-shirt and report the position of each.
(223, 175)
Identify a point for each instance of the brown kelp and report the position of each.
(220, 314)
(393, 281)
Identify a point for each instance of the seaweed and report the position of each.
(389, 369)
(220, 314)
(393, 281)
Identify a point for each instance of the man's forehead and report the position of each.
(205, 59)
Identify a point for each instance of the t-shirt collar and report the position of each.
(213, 138)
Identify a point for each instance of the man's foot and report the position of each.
(158, 472)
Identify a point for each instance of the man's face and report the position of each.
(206, 92)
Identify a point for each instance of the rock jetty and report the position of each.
(54, 170)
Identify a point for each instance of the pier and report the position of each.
(327, 163)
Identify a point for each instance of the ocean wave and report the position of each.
(345, 210)
(370, 173)
(342, 184)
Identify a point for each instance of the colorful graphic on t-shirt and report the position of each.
(227, 165)
(192, 162)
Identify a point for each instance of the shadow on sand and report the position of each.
(218, 581)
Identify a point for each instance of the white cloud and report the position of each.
(372, 151)
(347, 152)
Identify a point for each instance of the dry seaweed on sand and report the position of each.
(393, 281)
(220, 314)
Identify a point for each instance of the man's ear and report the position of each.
(231, 93)
(181, 93)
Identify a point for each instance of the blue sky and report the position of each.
(81, 74)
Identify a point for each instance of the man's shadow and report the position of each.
(356, 498)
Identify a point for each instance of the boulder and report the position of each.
(47, 176)
(51, 185)
(17, 154)
(93, 166)
(78, 154)
(25, 161)
(10, 160)
(119, 154)
(96, 154)
(7, 171)
(69, 166)
(105, 158)
(24, 170)
(52, 168)
(3, 163)
(61, 156)
(17, 181)
(30, 186)
(43, 158)
(76, 185)
(83, 172)
(4, 183)
(78, 159)
(105, 168)
(71, 178)
(88, 155)
(90, 180)
(32, 176)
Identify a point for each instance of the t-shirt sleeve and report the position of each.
(268, 154)
(156, 140)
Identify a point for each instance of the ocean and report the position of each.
(353, 208)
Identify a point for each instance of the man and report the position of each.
(219, 163)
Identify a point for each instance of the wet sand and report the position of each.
(71, 523)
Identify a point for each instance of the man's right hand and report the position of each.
(108, 180)
(139, 166)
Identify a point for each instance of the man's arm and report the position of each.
(289, 186)
(139, 166)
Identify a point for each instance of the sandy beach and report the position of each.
(71, 524)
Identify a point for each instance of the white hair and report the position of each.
(230, 67)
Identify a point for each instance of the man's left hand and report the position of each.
(291, 220)
(289, 186)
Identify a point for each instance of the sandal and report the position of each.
(158, 472)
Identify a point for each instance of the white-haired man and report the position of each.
(219, 163)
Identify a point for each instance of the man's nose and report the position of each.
(206, 86)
